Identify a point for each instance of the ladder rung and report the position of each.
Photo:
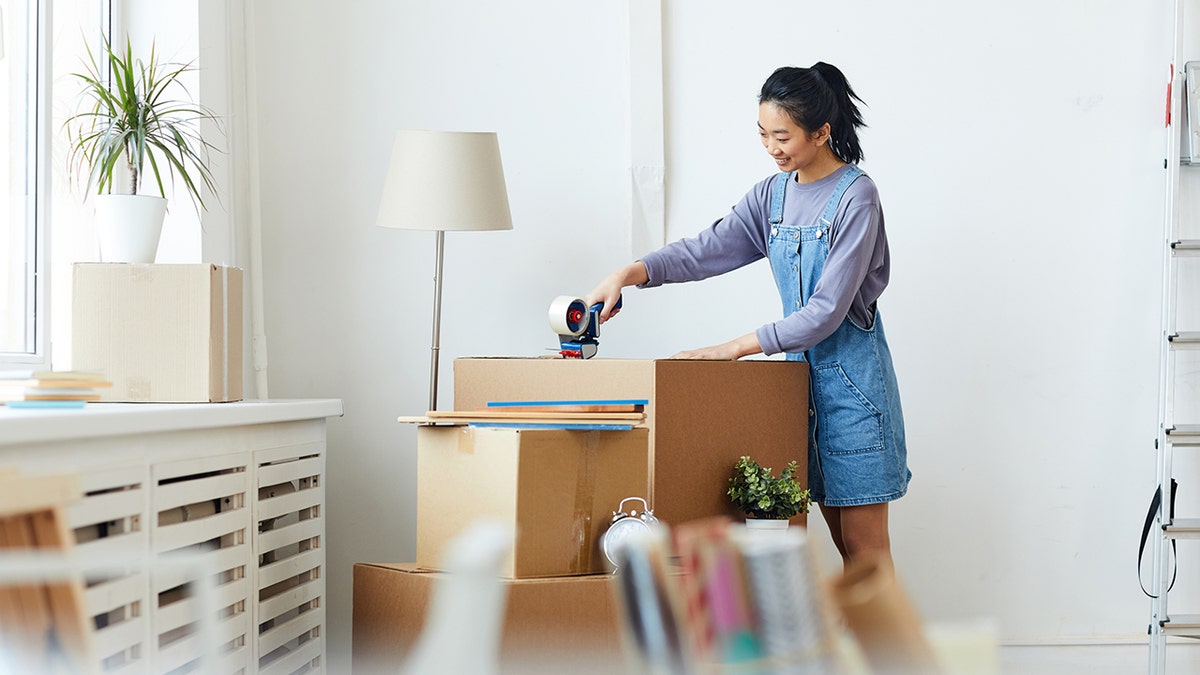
(1185, 340)
(1183, 625)
(1184, 434)
(1186, 247)
(1183, 528)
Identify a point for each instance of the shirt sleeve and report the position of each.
(851, 251)
(731, 242)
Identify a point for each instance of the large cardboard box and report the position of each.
(557, 488)
(552, 625)
(702, 415)
(161, 333)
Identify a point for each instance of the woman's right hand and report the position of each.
(608, 291)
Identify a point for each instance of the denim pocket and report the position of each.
(847, 421)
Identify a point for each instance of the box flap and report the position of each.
(410, 567)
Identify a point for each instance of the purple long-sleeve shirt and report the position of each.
(855, 273)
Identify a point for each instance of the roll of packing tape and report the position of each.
(568, 316)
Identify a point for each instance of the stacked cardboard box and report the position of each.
(551, 625)
(558, 489)
(701, 415)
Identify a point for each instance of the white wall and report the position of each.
(1018, 150)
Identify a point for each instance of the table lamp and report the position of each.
(444, 181)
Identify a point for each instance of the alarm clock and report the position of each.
(624, 525)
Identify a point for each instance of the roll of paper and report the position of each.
(781, 574)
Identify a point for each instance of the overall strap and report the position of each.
(778, 191)
(831, 206)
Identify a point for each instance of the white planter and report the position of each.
(129, 226)
(766, 525)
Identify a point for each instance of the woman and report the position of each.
(820, 225)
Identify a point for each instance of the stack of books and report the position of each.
(50, 388)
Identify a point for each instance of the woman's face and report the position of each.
(789, 144)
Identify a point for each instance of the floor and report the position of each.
(1183, 658)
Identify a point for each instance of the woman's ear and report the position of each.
(821, 135)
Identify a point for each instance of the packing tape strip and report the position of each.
(583, 526)
(560, 310)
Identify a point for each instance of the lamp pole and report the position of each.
(437, 321)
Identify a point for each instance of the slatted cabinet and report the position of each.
(109, 522)
(245, 501)
(289, 541)
(202, 506)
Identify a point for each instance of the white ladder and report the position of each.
(1171, 435)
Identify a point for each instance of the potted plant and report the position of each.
(767, 500)
(131, 125)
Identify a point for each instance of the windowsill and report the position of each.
(25, 425)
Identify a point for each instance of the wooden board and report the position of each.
(45, 626)
(533, 419)
(27, 494)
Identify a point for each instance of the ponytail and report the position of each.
(814, 96)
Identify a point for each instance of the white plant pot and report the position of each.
(129, 226)
(766, 525)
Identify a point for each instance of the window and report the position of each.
(23, 159)
(41, 42)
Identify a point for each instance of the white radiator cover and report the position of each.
(241, 484)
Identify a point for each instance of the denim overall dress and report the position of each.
(856, 450)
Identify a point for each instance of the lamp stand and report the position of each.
(437, 321)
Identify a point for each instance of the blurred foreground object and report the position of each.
(738, 602)
(648, 600)
(44, 626)
(462, 632)
(794, 628)
(882, 619)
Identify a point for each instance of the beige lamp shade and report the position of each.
(445, 180)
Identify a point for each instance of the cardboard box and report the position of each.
(554, 625)
(161, 333)
(558, 488)
(702, 415)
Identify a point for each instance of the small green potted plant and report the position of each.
(768, 501)
(131, 126)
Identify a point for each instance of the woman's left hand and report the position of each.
(728, 351)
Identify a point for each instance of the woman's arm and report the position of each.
(609, 289)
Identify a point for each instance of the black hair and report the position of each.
(814, 96)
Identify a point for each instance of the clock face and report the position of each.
(618, 534)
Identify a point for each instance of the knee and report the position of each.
(858, 541)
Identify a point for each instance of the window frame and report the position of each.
(37, 174)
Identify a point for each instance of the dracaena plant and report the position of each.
(758, 493)
(132, 119)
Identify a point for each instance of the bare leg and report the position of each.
(833, 519)
(858, 529)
